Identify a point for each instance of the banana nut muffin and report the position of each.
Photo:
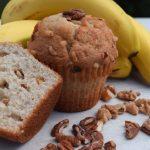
(82, 49)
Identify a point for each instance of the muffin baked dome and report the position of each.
(82, 49)
(81, 42)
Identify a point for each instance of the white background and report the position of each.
(114, 129)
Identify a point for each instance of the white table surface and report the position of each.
(114, 129)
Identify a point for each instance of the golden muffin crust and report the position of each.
(59, 40)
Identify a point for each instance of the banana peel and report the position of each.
(142, 59)
(17, 31)
(122, 68)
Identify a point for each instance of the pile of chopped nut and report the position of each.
(87, 134)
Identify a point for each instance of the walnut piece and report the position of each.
(5, 101)
(111, 145)
(132, 129)
(112, 109)
(3, 83)
(132, 108)
(19, 73)
(144, 106)
(108, 93)
(121, 108)
(103, 114)
(2, 54)
(40, 80)
(128, 95)
(146, 127)
(25, 86)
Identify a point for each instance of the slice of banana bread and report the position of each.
(28, 93)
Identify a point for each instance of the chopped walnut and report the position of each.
(111, 145)
(2, 54)
(144, 106)
(121, 108)
(146, 127)
(40, 80)
(50, 146)
(108, 93)
(19, 73)
(3, 83)
(103, 114)
(132, 108)
(65, 145)
(5, 101)
(128, 95)
(112, 109)
(132, 129)
(25, 86)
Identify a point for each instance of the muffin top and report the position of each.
(73, 38)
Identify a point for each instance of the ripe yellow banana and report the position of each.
(122, 68)
(142, 59)
(115, 17)
(17, 31)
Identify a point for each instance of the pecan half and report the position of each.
(97, 136)
(132, 108)
(79, 133)
(128, 95)
(50, 146)
(89, 123)
(146, 127)
(121, 108)
(103, 114)
(144, 106)
(132, 129)
(74, 14)
(58, 127)
(111, 145)
(112, 109)
(108, 93)
(72, 139)
(65, 145)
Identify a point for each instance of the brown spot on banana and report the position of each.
(134, 54)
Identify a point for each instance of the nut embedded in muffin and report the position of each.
(82, 49)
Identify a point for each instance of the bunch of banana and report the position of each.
(125, 28)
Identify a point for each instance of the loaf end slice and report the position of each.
(28, 93)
